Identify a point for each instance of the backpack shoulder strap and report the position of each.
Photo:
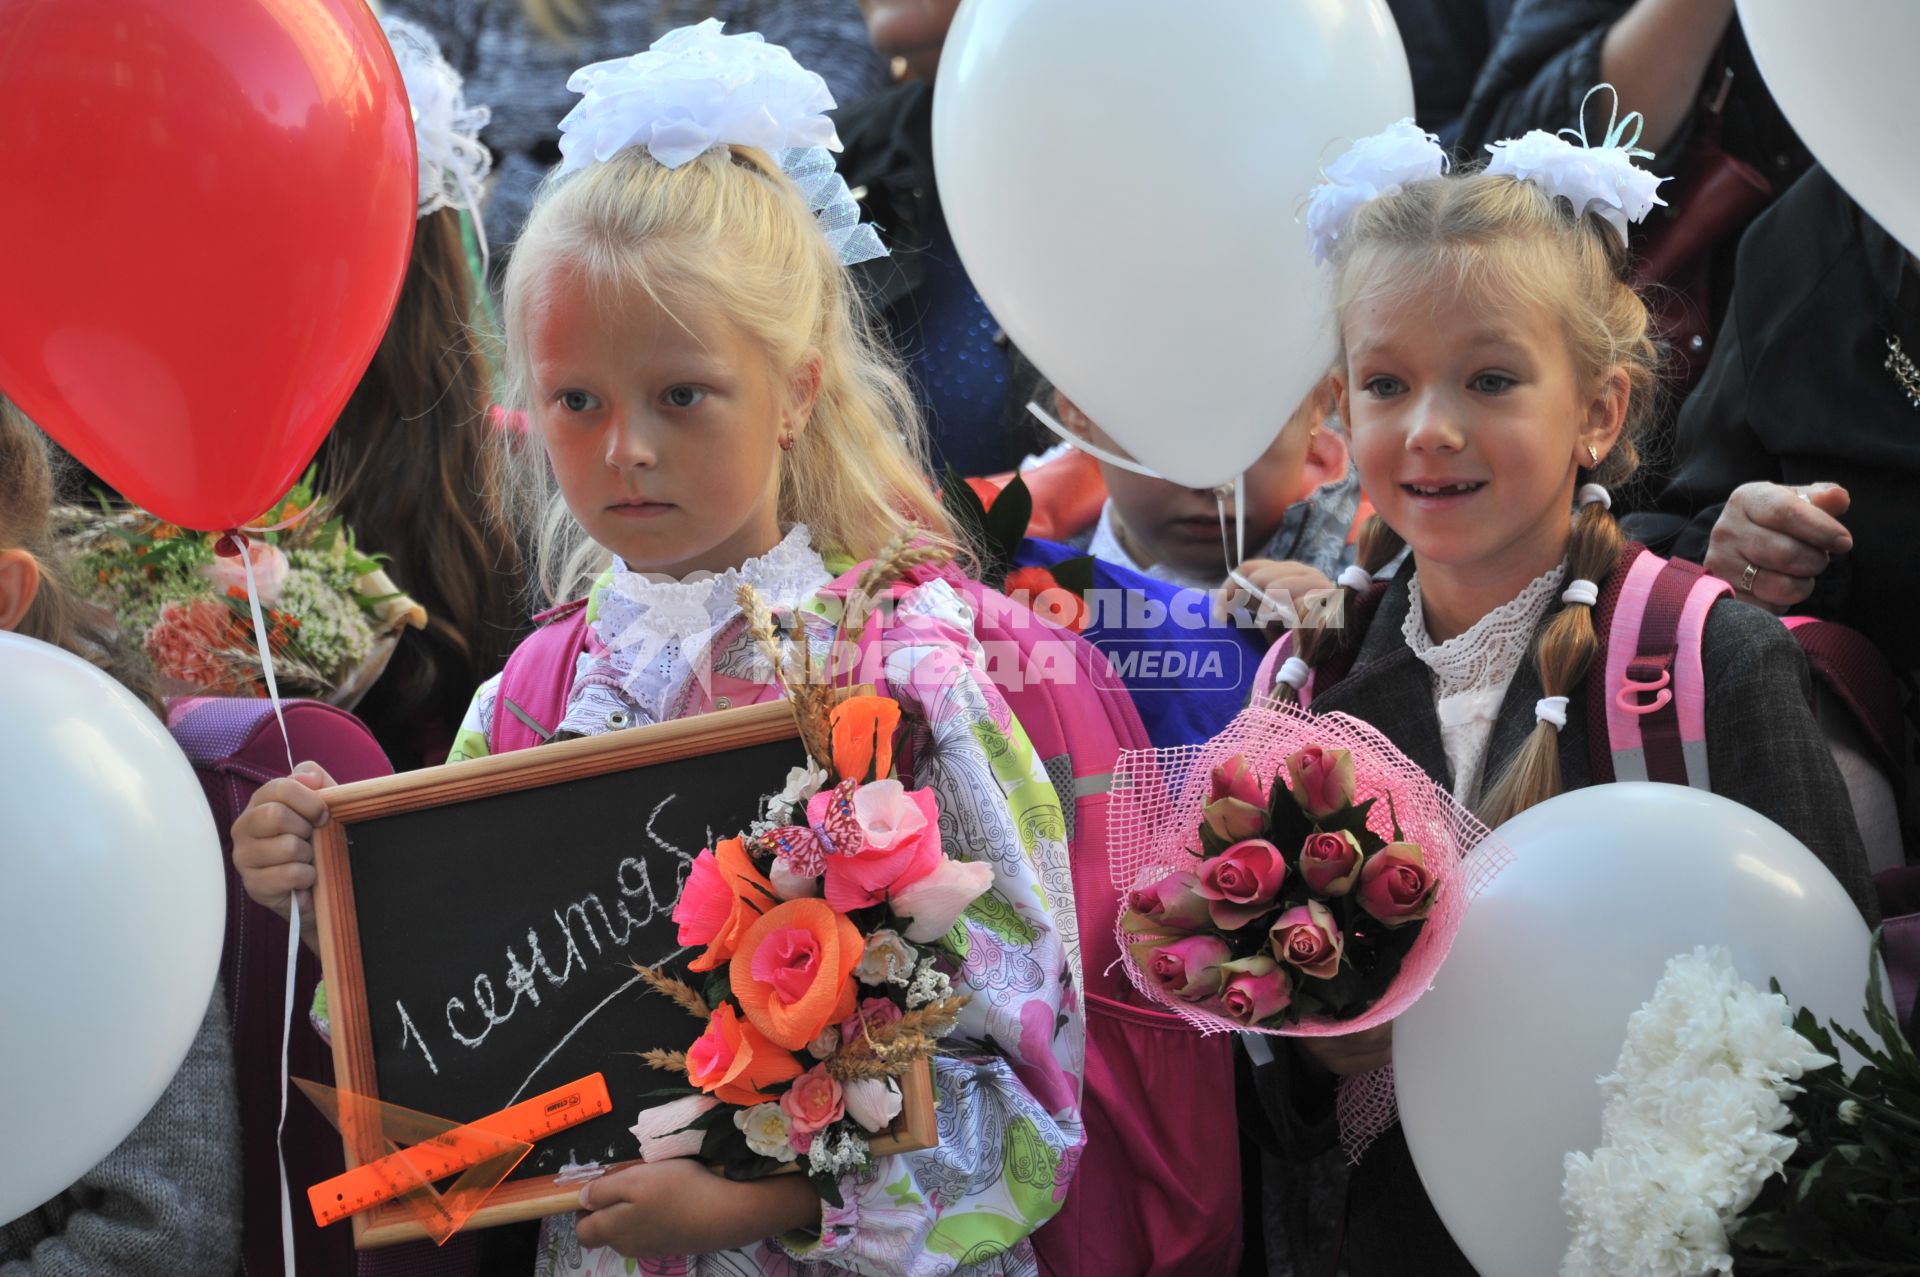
(538, 676)
(1652, 695)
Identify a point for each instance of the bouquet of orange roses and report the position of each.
(824, 973)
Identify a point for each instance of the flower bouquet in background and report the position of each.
(1295, 875)
(1734, 1140)
(332, 614)
(824, 966)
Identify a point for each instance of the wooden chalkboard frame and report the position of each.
(340, 950)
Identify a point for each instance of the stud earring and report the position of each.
(1594, 454)
(786, 441)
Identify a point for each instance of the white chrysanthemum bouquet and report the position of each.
(1731, 1133)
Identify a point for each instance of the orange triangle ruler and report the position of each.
(422, 1150)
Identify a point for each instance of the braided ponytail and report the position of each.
(1326, 629)
(1565, 649)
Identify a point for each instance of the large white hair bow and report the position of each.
(696, 88)
(1383, 164)
(446, 131)
(1602, 179)
(693, 90)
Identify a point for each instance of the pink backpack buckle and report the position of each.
(1634, 682)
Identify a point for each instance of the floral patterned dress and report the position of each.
(1007, 1085)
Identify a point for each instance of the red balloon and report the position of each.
(208, 214)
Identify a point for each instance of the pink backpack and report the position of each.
(1157, 1189)
(235, 747)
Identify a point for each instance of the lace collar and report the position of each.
(654, 632)
(1488, 652)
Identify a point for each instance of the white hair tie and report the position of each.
(1592, 492)
(1580, 591)
(1600, 179)
(1354, 577)
(1551, 709)
(1294, 672)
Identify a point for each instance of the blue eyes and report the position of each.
(1486, 383)
(1492, 383)
(579, 401)
(1383, 387)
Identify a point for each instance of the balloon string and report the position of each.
(1235, 550)
(1089, 447)
(286, 1038)
(293, 919)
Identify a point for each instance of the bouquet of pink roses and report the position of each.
(1296, 874)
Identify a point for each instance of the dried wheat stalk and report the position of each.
(684, 995)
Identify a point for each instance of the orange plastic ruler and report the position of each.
(442, 1148)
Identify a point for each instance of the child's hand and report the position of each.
(1285, 582)
(273, 842)
(1353, 1053)
(680, 1207)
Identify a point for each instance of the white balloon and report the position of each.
(1123, 180)
(1495, 1067)
(1843, 76)
(112, 909)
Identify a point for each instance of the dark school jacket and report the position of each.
(1764, 750)
(1799, 391)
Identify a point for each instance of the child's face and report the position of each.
(1180, 527)
(663, 432)
(1468, 423)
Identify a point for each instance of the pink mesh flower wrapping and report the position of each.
(1154, 817)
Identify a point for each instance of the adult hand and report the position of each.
(680, 1207)
(273, 843)
(1787, 536)
(1353, 1053)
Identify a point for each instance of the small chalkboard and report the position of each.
(479, 923)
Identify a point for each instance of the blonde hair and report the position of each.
(729, 231)
(1508, 239)
(59, 614)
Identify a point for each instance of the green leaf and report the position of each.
(1008, 517)
(829, 1189)
(1075, 575)
(1900, 1056)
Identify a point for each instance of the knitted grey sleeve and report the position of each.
(166, 1202)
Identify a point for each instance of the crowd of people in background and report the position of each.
(1766, 324)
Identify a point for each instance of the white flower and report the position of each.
(767, 1131)
(693, 90)
(1374, 166)
(663, 1130)
(888, 959)
(836, 1151)
(873, 1102)
(802, 784)
(826, 1043)
(789, 885)
(927, 986)
(1691, 1130)
(1600, 179)
(935, 902)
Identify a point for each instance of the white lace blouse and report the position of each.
(1471, 671)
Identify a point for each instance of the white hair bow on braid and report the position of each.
(454, 162)
(1600, 179)
(695, 89)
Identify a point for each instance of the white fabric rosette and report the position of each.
(446, 131)
(1600, 179)
(1382, 164)
(692, 90)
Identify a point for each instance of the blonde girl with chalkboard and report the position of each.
(684, 340)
